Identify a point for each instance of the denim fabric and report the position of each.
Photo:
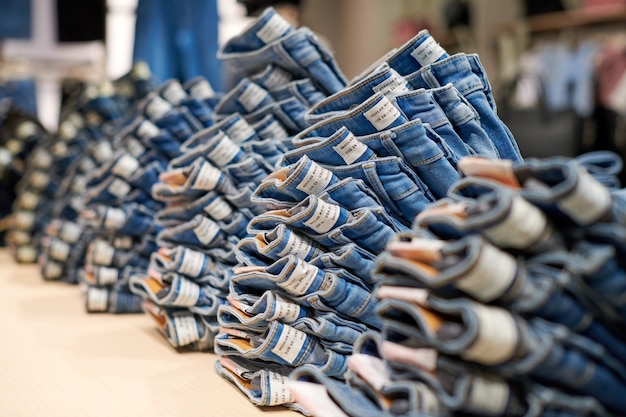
(182, 328)
(290, 112)
(177, 121)
(304, 90)
(211, 203)
(383, 80)
(298, 52)
(246, 97)
(129, 219)
(269, 128)
(419, 51)
(198, 233)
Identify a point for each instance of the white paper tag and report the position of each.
(300, 279)
(114, 218)
(102, 253)
(87, 165)
(119, 188)
(125, 167)
(26, 254)
(218, 209)
(527, 222)
(224, 152)
(392, 86)
(299, 246)
(251, 97)
(285, 311)
(324, 217)
(25, 129)
(206, 230)
(28, 200)
(240, 131)
(103, 152)
(174, 93)
(278, 390)
(428, 52)
(70, 232)
(488, 396)
(188, 293)
(588, 202)
(79, 184)
(157, 107)
(97, 299)
(25, 219)
(42, 159)
(274, 131)
(107, 276)
(289, 344)
(272, 29)
(6, 157)
(147, 130)
(67, 130)
(315, 180)
(19, 237)
(39, 179)
(497, 336)
(185, 328)
(202, 90)
(350, 149)
(192, 263)
(59, 250)
(277, 79)
(207, 178)
(52, 270)
(135, 147)
(382, 114)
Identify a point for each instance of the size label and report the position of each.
(26, 129)
(207, 178)
(392, 86)
(42, 159)
(274, 130)
(223, 152)
(491, 274)
(125, 167)
(300, 279)
(103, 253)
(218, 209)
(497, 336)
(119, 188)
(192, 263)
(299, 246)
(25, 219)
(157, 107)
(324, 217)
(202, 90)
(147, 130)
(39, 179)
(278, 390)
(70, 232)
(135, 147)
(107, 276)
(285, 311)
(114, 218)
(59, 250)
(187, 293)
(274, 28)
(52, 270)
(428, 52)
(103, 152)
(528, 222)
(350, 149)
(277, 79)
(28, 200)
(174, 93)
(315, 180)
(87, 165)
(289, 344)
(97, 299)
(589, 201)
(251, 97)
(488, 396)
(240, 131)
(206, 230)
(185, 328)
(382, 114)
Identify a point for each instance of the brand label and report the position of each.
(285, 311)
(223, 152)
(278, 389)
(218, 209)
(192, 263)
(125, 166)
(316, 180)
(188, 293)
(350, 149)
(202, 90)
(382, 114)
(207, 178)
(240, 131)
(289, 344)
(300, 279)
(119, 188)
(114, 218)
(97, 299)
(185, 328)
(206, 230)
(428, 52)
(272, 29)
(392, 86)
(251, 97)
(324, 217)
(299, 246)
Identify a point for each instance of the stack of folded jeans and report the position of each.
(207, 189)
(505, 299)
(376, 154)
(21, 195)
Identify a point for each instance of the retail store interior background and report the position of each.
(326, 207)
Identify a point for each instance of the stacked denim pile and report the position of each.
(505, 299)
(377, 153)
(20, 191)
(207, 189)
(82, 144)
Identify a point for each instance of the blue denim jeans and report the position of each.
(290, 112)
(304, 90)
(246, 97)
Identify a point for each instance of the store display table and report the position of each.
(57, 360)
